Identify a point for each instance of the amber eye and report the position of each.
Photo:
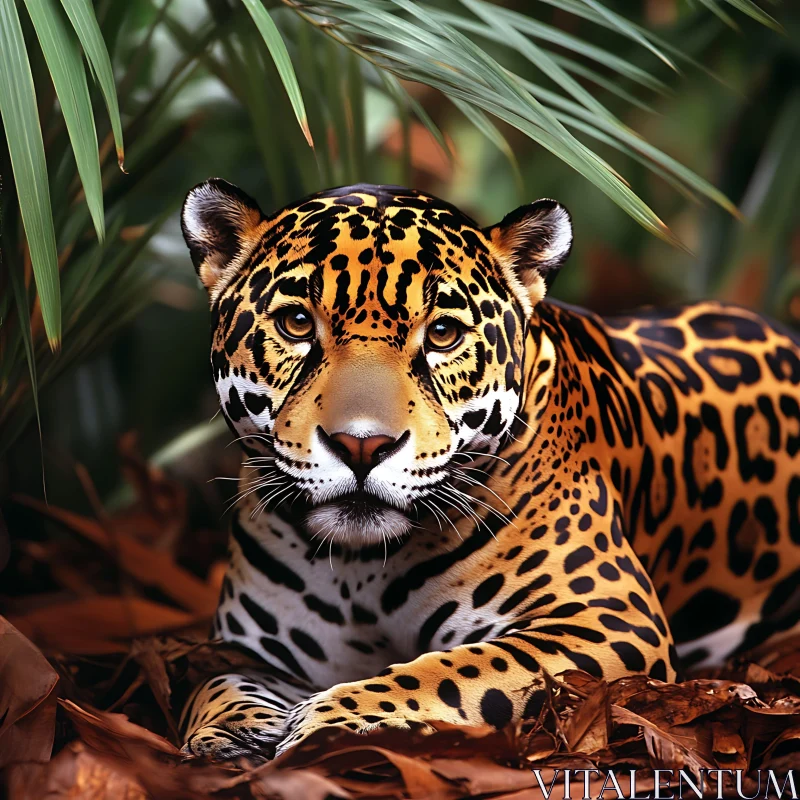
(444, 334)
(296, 325)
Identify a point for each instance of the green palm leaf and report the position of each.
(64, 61)
(427, 49)
(81, 15)
(26, 150)
(752, 10)
(280, 55)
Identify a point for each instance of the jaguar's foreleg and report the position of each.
(238, 714)
(494, 682)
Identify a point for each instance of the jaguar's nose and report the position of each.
(361, 453)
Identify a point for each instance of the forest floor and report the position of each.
(94, 671)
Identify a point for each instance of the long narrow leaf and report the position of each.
(631, 30)
(402, 96)
(24, 316)
(752, 10)
(69, 78)
(548, 33)
(492, 133)
(81, 15)
(625, 27)
(438, 55)
(537, 56)
(26, 150)
(605, 83)
(280, 55)
(714, 7)
(636, 143)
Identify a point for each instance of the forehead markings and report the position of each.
(315, 235)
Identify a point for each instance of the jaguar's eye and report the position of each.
(444, 334)
(296, 325)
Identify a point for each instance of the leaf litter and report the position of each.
(93, 677)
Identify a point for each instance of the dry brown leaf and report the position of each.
(669, 704)
(728, 747)
(94, 625)
(539, 746)
(108, 733)
(792, 735)
(151, 567)
(766, 724)
(154, 670)
(164, 502)
(289, 785)
(74, 774)
(667, 750)
(587, 729)
(482, 776)
(27, 699)
(418, 777)
(141, 758)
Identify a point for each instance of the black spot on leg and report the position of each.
(630, 656)
(496, 709)
(449, 693)
(658, 670)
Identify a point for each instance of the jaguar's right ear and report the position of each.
(221, 225)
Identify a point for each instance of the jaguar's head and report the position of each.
(369, 341)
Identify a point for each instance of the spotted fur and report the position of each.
(561, 490)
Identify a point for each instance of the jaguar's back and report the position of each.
(697, 410)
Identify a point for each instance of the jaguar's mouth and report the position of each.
(357, 516)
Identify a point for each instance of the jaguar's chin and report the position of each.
(359, 519)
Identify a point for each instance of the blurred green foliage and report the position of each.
(200, 95)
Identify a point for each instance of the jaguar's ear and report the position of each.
(532, 243)
(221, 225)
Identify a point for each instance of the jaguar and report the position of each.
(453, 488)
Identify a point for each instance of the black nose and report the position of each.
(362, 454)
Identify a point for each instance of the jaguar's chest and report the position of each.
(328, 615)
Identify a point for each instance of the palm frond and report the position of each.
(26, 151)
(272, 38)
(84, 21)
(422, 43)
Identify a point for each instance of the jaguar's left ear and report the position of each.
(531, 244)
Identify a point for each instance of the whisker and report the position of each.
(474, 469)
(480, 455)
(268, 438)
(465, 509)
(316, 552)
(473, 482)
(448, 520)
(247, 492)
(433, 511)
(484, 504)
(268, 499)
(519, 419)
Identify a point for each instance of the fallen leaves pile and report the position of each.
(96, 672)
